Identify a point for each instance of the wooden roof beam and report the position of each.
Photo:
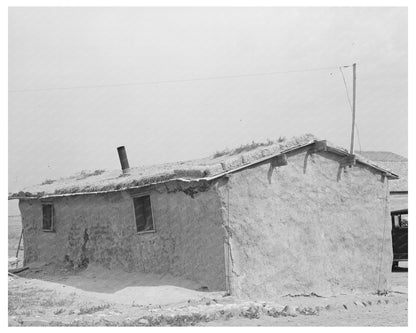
(319, 146)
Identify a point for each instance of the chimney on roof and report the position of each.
(123, 159)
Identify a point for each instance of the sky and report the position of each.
(175, 84)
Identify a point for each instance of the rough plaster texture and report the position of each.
(100, 229)
(306, 227)
(398, 201)
(309, 226)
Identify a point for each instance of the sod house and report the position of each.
(293, 217)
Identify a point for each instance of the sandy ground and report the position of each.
(110, 286)
(50, 296)
(392, 313)
(387, 315)
(46, 296)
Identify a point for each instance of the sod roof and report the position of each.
(220, 163)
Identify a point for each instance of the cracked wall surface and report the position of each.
(309, 226)
(101, 229)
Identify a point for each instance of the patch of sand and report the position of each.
(40, 302)
(117, 286)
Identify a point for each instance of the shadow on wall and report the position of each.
(344, 163)
(99, 279)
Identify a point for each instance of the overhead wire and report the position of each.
(172, 81)
(198, 79)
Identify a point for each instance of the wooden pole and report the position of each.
(354, 79)
(18, 248)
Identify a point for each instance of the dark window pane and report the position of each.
(47, 211)
(403, 221)
(143, 213)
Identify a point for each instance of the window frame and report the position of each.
(401, 221)
(144, 194)
(52, 229)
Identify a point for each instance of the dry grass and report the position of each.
(102, 181)
(31, 300)
(85, 174)
(248, 147)
(82, 175)
(48, 181)
(93, 309)
(59, 311)
(53, 302)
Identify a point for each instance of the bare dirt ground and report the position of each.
(97, 297)
(51, 296)
(394, 313)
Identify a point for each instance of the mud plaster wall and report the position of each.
(101, 229)
(398, 201)
(306, 227)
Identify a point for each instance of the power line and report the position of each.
(173, 81)
(349, 102)
(346, 88)
(199, 79)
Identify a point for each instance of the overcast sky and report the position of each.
(54, 132)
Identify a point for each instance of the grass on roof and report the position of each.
(248, 147)
(85, 174)
(48, 181)
(82, 175)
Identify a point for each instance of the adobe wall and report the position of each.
(398, 201)
(307, 227)
(101, 229)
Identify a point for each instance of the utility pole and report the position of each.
(354, 79)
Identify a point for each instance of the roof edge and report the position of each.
(322, 145)
(328, 148)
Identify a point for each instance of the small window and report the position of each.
(397, 221)
(403, 221)
(400, 221)
(143, 214)
(48, 214)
